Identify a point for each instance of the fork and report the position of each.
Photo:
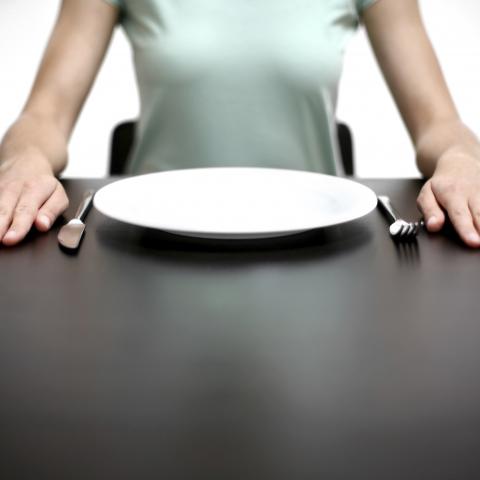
(399, 229)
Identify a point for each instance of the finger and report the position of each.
(31, 198)
(430, 208)
(51, 209)
(474, 204)
(9, 195)
(461, 218)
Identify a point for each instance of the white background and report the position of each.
(382, 146)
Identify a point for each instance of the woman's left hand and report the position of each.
(448, 153)
(454, 189)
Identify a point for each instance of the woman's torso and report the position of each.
(239, 82)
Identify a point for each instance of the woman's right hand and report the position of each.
(29, 195)
(34, 149)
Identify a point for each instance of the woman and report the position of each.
(237, 83)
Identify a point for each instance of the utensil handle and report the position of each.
(387, 208)
(85, 205)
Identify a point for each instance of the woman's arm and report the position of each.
(34, 149)
(447, 151)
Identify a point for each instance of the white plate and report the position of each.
(235, 202)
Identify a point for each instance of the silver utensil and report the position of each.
(71, 233)
(399, 228)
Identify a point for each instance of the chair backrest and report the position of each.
(345, 143)
(120, 146)
(124, 133)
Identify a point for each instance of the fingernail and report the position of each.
(10, 235)
(474, 238)
(432, 221)
(44, 220)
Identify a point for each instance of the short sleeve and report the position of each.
(120, 5)
(362, 5)
(116, 3)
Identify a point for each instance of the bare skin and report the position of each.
(447, 151)
(34, 150)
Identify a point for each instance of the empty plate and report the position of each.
(235, 202)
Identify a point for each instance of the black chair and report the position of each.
(120, 146)
(345, 143)
(124, 134)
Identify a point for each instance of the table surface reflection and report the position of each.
(333, 354)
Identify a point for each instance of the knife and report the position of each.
(71, 233)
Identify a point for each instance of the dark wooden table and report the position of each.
(335, 354)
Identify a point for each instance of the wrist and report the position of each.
(34, 141)
(30, 160)
(458, 156)
(446, 139)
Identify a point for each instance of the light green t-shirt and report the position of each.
(238, 82)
